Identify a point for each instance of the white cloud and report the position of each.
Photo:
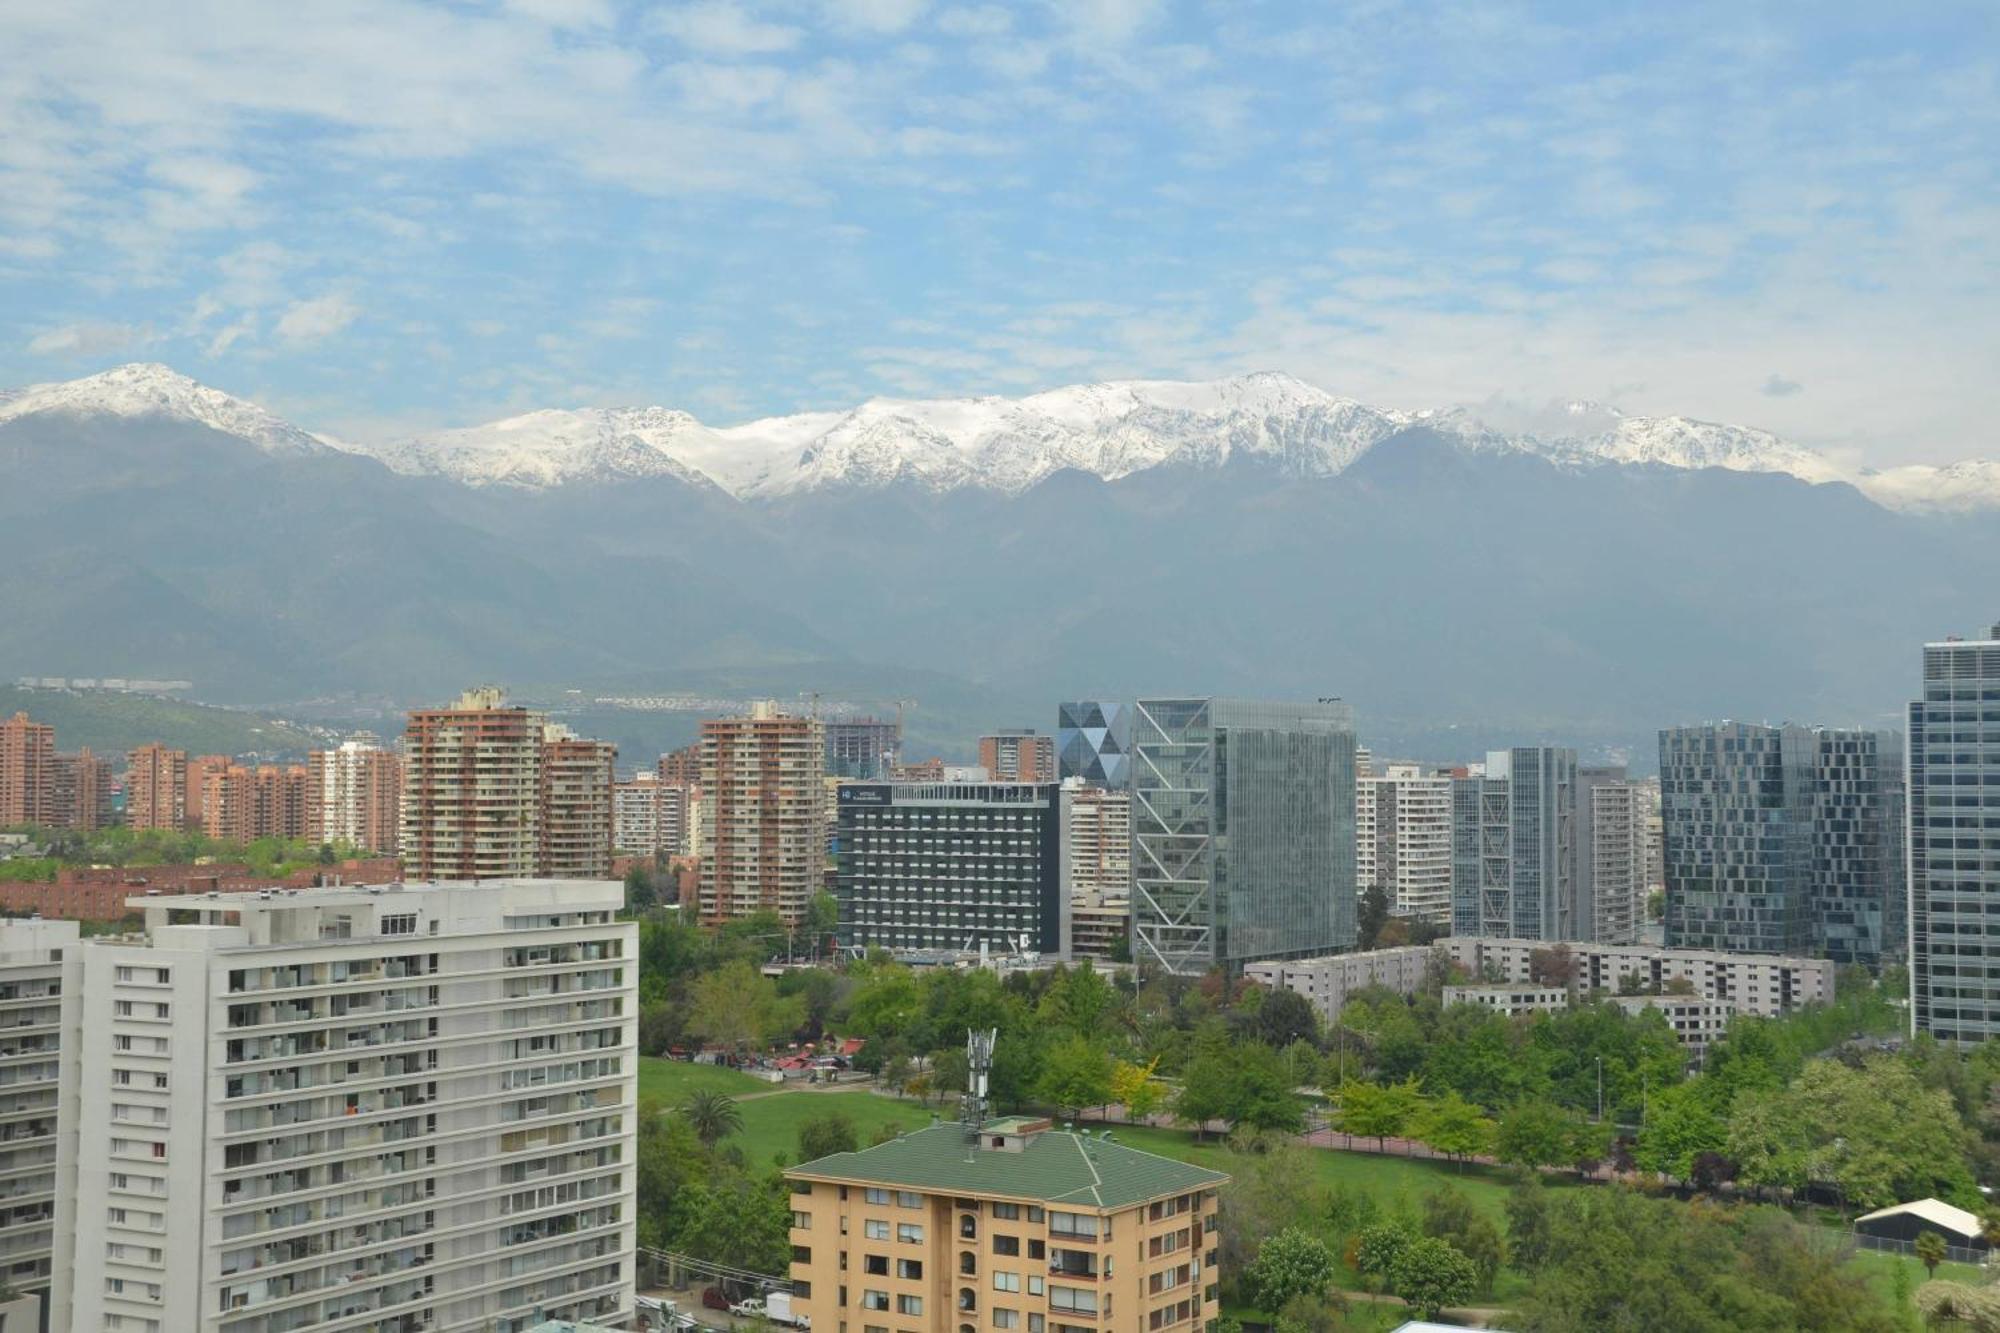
(321, 317)
(88, 339)
(884, 16)
(229, 335)
(722, 28)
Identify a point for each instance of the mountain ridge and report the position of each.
(1108, 429)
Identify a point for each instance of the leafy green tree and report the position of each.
(1529, 1225)
(1374, 1111)
(1204, 1093)
(712, 1115)
(1134, 1087)
(1449, 1215)
(1536, 1134)
(737, 1006)
(1259, 1093)
(1292, 1263)
(825, 1134)
(1455, 1127)
(1374, 914)
(743, 1223)
(1267, 1192)
(1378, 1247)
(639, 893)
(1076, 1074)
(1930, 1249)
(1324, 1313)
(1079, 1000)
(1430, 1274)
(1682, 1123)
(1283, 1017)
(885, 1001)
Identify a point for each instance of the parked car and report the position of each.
(713, 1299)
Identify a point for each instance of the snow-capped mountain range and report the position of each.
(1111, 430)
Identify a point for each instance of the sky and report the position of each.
(377, 218)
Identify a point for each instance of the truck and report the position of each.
(776, 1307)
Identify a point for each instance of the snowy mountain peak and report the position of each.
(553, 447)
(147, 389)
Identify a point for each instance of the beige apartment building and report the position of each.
(1016, 1226)
(763, 814)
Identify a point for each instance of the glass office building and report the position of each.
(1736, 812)
(1094, 742)
(1859, 882)
(1514, 855)
(1954, 842)
(1242, 831)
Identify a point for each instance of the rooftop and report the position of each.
(1055, 1167)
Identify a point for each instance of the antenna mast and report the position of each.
(979, 1065)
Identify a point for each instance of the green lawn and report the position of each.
(668, 1081)
(1881, 1269)
(771, 1124)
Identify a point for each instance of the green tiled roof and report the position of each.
(1054, 1167)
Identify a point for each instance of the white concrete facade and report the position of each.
(407, 1107)
(1760, 984)
(31, 1025)
(1328, 981)
(1402, 840)
(1509, 999)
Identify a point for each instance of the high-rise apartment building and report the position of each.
(472, 793)
(199, 766)
(1860, 879)
(763, 840)
(650, 817)
(240, 803)
(156, 788)
(80, 791)
(1402, 839)
(1954, 841)
(1612, 816)
(354, 794)
(27, 771)
(1094, 743)
(1018, 756)
(1242, 831)
(32, 1004)
(577, 780)
(1099, 838)
(862, 747)
(951, 866)
(682, 765)
(402, 1108)
(1514, 846)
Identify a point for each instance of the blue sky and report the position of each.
(380, 217)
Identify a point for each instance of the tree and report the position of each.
(737, 1006)
(1075, 1074)
(1529, 1225)
(1079, 999)
(1553, 966)
(1323, 1313)
(1930, 1248)
(1455, 1127)
(1374, 914)
(1290, 1264)
(1204, 1094)
(1378, 1247)
(1267, 1193)
(1285, 1016)
(714, 1116)
(1450, 1216)
(1681, 1126)
(639, 893)
(1134, 1087)
(1258, 1093)
(1430, 1274)
(826, 1134)
(1374, 1111)
(1536, 1134)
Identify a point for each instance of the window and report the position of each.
(1008, 1245)
(875, 1265)
(802, 1221)
(909, 1305)
(1007, 1212)
(1073, 1298)
(907, 1199)
(1006, 1318)
(874, 1229)
(1035, 1285)
(1006, 1281)
(874, 1195)
(874, 1300)
(912, 1269)
(401, 924)
(910, 1232)
(1073, 1224)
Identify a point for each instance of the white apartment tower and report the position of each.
(1402, 840)
(31, 1026)
(649, 816)
(1099, 832)
(397, 1108)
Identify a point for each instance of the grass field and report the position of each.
(1881, 1270)
(668, 1081)
(771, 1124)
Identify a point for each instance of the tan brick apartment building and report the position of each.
(1018, 756)
(1018, 1226)
(156, 788)
(354, 794)
(27, 771)
(577, 781)
(763, 817)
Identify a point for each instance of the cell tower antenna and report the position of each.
(979, 1068)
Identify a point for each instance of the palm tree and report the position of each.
(713, 1116)
(1930, 1249)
